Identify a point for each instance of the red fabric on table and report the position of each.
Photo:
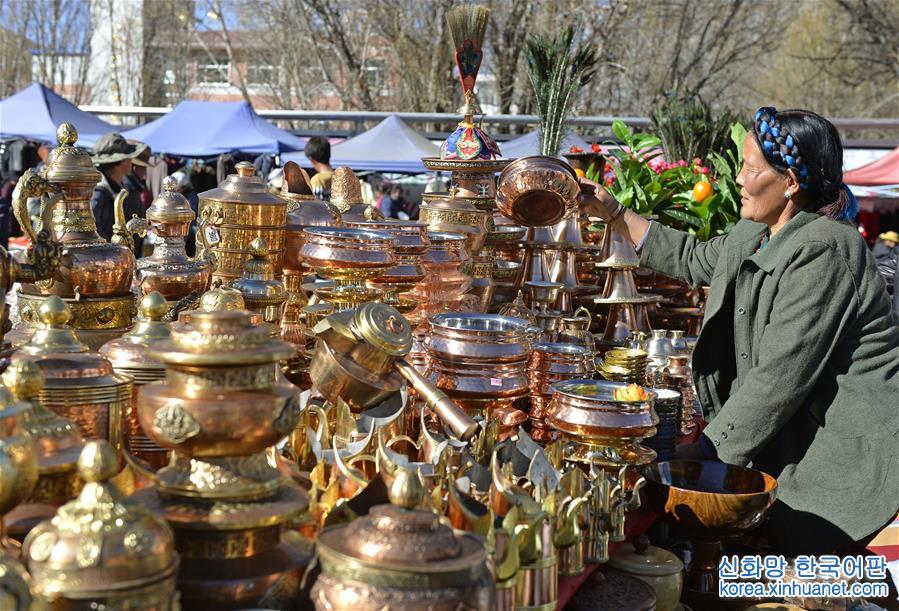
(638, 522)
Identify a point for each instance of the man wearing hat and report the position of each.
(113, 156)
(885, 247)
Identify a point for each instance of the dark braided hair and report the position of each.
(808, 145)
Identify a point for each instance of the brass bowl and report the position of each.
(537, 191)
(478, 338)
(345, 252)
(506, 271)
(411, 237)
(457, 216)
(587, 410)
(505, 235)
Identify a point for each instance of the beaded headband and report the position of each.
(778, 144)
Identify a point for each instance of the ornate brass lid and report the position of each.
(641, 558)
(395, 546)
(226, 338)
(258, 282)
(67, 163)
(170, 207)
(55, 337)
(130, 350)
(383, 327)
(97, 543)
(221, 298)
(346, 190)
(243, 188)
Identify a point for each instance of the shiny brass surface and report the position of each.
(80, 386)
(233, 215)
(345, 253)
(57, 440)
(303, 211)
(457, 216)
(261, 292)
(19, 463)
(99, 551)
(169, 270)
(87, 262)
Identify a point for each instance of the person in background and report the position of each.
(185, 188)
(318, 151)
(885, 247)
(391, 203)
(436, 184)
(136, 185)
(113, 156)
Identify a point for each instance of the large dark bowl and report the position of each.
(711, 500)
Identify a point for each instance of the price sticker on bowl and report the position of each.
(496, 382)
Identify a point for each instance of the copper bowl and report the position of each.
(710, 499)
(586, 409)
(478, 338)
(411, 237)
(507, 271)
(346, 251)
(457, 216)
(537, 191)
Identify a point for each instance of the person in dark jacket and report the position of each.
(797, 363)
(113, 156)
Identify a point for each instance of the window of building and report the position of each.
(374, 71)
(260, 74)
(214, 74)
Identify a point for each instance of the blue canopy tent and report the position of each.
(36, 111)
(390, 146)
(203, 129)
(529, 144)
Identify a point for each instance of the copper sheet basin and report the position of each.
(711, 500)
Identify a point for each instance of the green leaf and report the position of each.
(684, 217)
(620, 130)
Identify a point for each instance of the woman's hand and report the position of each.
(596, 201)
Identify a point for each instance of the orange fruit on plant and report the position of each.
(702, 190)
(580, 173)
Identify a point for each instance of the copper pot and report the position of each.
(537, 191)
(348, 253)
(457, 216)
(478, 338)
(303, 211)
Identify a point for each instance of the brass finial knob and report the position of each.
(54, 312)
(98, 461)
(169, 183)
(245, 169)
(153, 306)
(259, 247)
(23, 378)
(406, 490)
(66, 134)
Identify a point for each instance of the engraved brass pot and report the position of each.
(233, 215)
(458, 216)
(18, 462)
(345, 253)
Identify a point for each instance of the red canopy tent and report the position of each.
(883, 171)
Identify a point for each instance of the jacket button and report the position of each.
(730, 427)
(743, 355)
(723, 435)
(716, 442)
(741, 310)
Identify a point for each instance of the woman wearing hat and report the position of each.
(113, 156)
(796, 365)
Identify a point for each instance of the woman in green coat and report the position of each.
(796, 363)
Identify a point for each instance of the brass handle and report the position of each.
(460, 423)
(32, 184)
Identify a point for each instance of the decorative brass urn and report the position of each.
(221, 409)
(80, 385)
(261, 292)
(402, 558)
(94, 277)
(57, 443)
(233, 215)
(100, 553)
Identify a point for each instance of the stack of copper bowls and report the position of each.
(602, 429)
(446, 263)
(624, 365)
(479, 360)
(410, 245)
(551, 363)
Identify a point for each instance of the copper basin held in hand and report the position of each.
(537, 191)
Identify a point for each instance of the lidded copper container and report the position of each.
(261, 292)
(130, 356)
(402, 557)
(80, 385)
(233, 215)
(479, 360)
(602, 429)
(57, 443)
(551, 363)
(93, 275)
(303, 211)
(100, 552)
(169, 270)
(221, 409)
